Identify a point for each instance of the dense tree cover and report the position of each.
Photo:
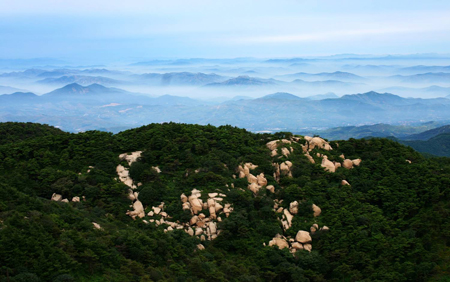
(391, 224)
(11, 132)
(438, 145)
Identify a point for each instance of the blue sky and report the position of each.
(136, 29)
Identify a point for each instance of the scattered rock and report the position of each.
(56, 197)
(303, 237)
(328, 165)
(317, 211)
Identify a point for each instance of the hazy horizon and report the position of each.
(96, 32)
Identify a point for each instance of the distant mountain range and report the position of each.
(8, 89)
(338, 75)
(179, 78)
(86, 107)
(245, 80)
(80, 79)
(424, 69)
(430, 77)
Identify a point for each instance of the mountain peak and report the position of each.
(281, 96)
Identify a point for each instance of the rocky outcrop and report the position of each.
(328, 165)
(138, 210)
(317, 142)
(345, 182)
(348, 164)
(293, 207)
(130, 158)
(303, 237)
(96, 225)
(279, 241)
(317, 211)
(255, 182)
(356, 162)
(56, 197)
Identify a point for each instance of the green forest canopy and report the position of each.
(391, 224)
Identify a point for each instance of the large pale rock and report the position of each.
(261, 180)
(272, 145)
(356, 162)
(328, 165)
(297, 246)
(254, 188)
(213, 195)
(76, 199)
(138, 210)
(212, 227)
(196, 193)
(156, 210)
(198, 231)
(293, 207)
(279, 241)
(337, 165)
(196, 205)
(271, 188)
(289, 218)
(186, 206)
(130, 158)
(157, 169)
(348, 164)
(200, 247)
(183, 198)
(303, 237)
(56, 197)
(212, 212)
(345, 182)
(317, 142)
(307, 247)
(65, 200)
(97, 226)
(317, 211)
(285, 151)
(252, 179)
(274, 153)
(218, 207)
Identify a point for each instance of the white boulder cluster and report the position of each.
(200, 225)
(311, 143)
(289, 213)
(58, 198)
(302, 241)
(123, 173)
(255, 182)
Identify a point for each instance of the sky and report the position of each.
(134, 30)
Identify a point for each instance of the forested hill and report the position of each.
(178, 202)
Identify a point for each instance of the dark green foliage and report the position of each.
(391, 224)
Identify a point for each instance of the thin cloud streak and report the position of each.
(325, 36)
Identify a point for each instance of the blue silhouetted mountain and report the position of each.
(330, 95)
(281, 96)
(179, 78)
(18, 97)
(338, 75)
(245, 80)
(424, 69)
(79, 79)
(430, 77)
(429, 133)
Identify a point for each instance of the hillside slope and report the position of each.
(220, 203)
